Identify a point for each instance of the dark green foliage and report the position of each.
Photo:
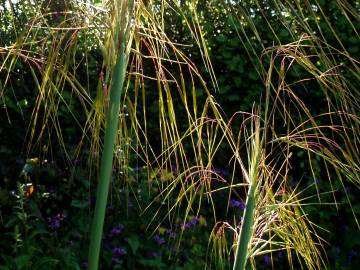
(48, 229)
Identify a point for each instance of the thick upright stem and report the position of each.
(247, 227)
(246, 231)
(107, 158)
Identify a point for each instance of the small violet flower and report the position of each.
(54, 222)
(171, 233)
(221, 172)
(159, 240)
(119, 251)
(185, 226)
(174, 168)
(267, 259)
(117, 230)
(193, 222)
(293, 183)
(237, 204)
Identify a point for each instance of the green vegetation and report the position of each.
(179, 134)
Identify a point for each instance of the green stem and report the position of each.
(107, 158)
(247, 227)
(246, 230)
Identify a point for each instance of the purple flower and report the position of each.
(117, 230)
(159, 240)
(174, 168)
(155, 254)
(293, 183)
(267, 259)
(119, 251)
(186, 225)
(221, 172)
(237, 204)
(54, 222)
(194, 221)
(171, 233)
(191, 223)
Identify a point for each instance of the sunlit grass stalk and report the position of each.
(107, 156)
(246, 231)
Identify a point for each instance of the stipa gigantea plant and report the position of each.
(131, 27)
(264, 188)
(273, 219)
(122, 18)
(326, 59)
(258, 170)
(330, 142)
